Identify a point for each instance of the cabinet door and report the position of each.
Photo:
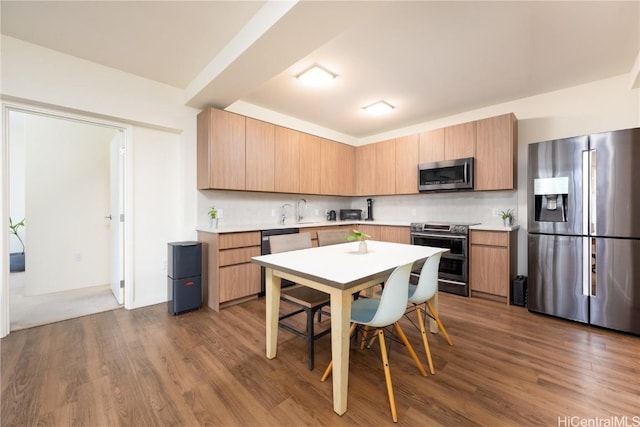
(496, 145)
(371, 230)
(489, 270)
(331, 175)
(346, 169)
(407, 164)
(238, 281)
(221, 150)
(431, 146)
(365, 170)
(385, 167)
(310, 168)
(395, 234)
(260, 146)
(460, 141)
(287, 160)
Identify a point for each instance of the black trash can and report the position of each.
(184, 276)
(519, 291)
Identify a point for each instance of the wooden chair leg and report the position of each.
(407, 344)
(425, 342)
(440, 325)
(327, 371)
(365, 332)
(387, 375)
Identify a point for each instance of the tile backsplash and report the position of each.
(242, 208)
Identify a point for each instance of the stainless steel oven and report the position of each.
(453, 274)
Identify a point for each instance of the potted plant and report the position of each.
(359, 235)
(507, 217)
(213, 217)
(17, 259)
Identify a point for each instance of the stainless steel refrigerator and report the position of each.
(584, 229)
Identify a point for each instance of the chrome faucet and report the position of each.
(283, 212)
(298, 211)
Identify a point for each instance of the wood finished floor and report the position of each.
(508, 367)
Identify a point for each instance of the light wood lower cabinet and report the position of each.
(492, 264)
(386, 233)
(228, 273)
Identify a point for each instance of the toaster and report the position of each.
(350, 214)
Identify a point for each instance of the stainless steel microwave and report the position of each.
(447, 175)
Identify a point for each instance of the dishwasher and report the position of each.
(265, 249)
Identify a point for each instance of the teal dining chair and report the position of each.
(380, 313)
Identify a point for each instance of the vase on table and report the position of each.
(362, 248)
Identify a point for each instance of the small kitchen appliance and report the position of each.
(331, 215)
(350, 214)
(369, 209)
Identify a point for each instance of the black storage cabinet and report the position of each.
(184, 281)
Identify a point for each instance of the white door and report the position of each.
(117, 217)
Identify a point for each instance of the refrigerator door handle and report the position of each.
(586, 250)
(593, 204)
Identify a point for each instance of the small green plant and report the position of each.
(213, 213)
(508, 214)
(357, 235)
(14, 230)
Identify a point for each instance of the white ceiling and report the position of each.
(430, 59)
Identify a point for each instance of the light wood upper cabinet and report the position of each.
(385, 167)
(459, 141)
(310, 166)
(407, 148)
(287, 160)
(260, 159)
(495, 159)
(431, 146)
(365, 172)
(220, 150)
(337, 164)
(346, 169)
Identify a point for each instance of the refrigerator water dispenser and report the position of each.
(551, 196)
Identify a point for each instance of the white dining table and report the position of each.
(339, 270)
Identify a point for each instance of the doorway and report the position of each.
(66, 179)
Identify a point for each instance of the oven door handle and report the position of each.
(439, 236)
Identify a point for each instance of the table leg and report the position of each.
(272, 301)
(340, 320)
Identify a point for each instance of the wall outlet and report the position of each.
(317, 212)
(220, 213)
(413, 212)
(496, 212)
(273, 212)
(77, 257)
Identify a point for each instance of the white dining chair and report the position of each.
(422, 293)
(380, 313)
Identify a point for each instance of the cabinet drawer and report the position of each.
(239, 240)
(238, 281)
(237, 256)
(489, 238)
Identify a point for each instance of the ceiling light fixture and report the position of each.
(316, 76)
(378, 108)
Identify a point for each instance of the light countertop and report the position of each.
(238, 228)
(494, 227)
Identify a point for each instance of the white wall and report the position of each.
(67, 196)
(164, 131)
(17, 177)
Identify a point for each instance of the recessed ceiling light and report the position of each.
(378, 108)
(316, 76)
